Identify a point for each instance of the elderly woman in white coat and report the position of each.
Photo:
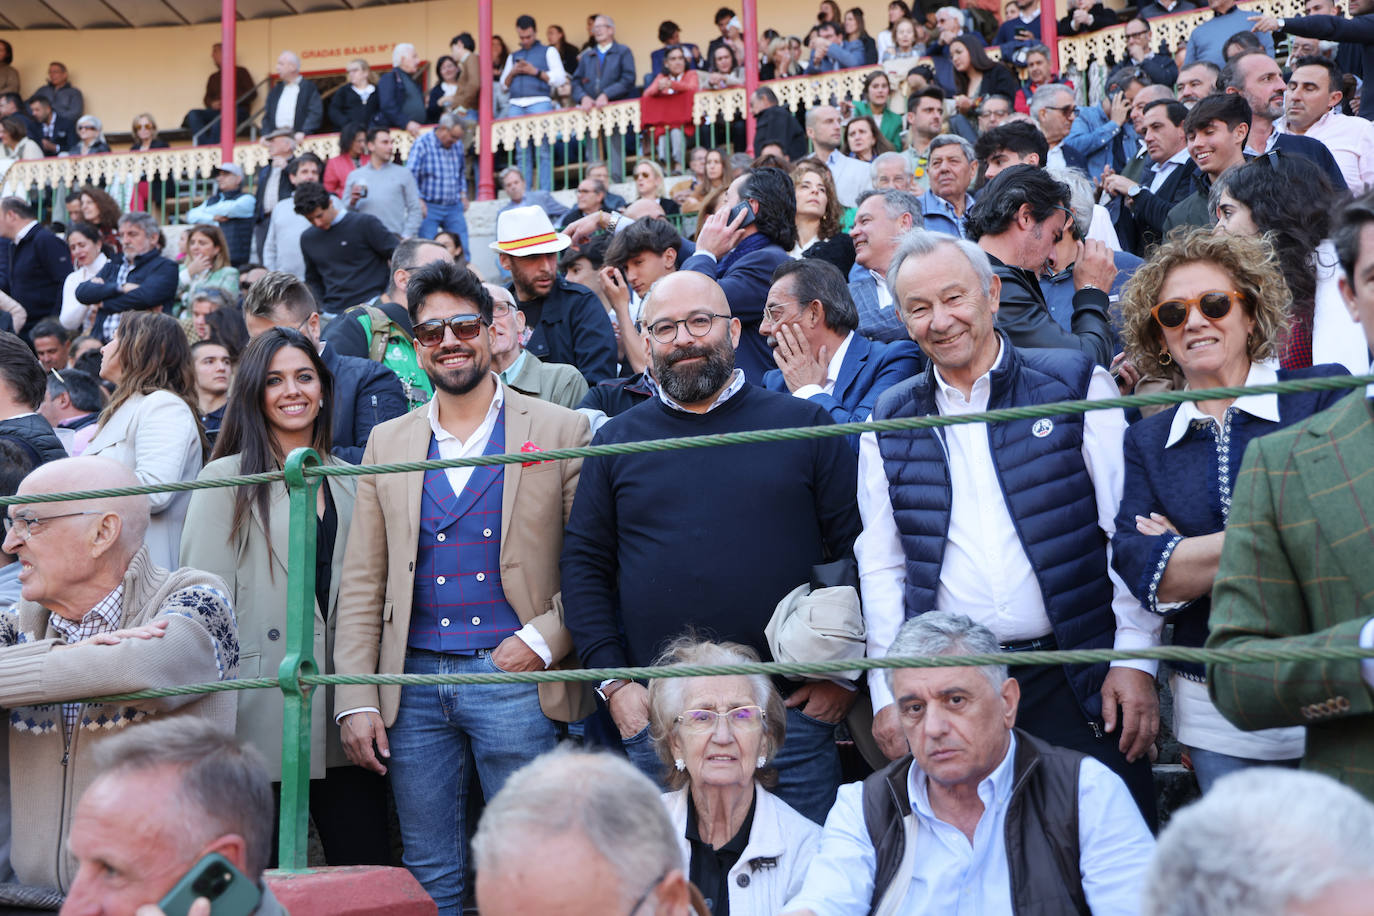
(745, 849)
(150, 424)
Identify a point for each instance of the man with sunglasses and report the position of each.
(97, 617)
(365, 393)
(1053, 110)
(659, 543)
(456, 570)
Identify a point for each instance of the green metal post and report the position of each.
(300, 642)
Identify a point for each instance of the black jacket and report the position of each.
(284, 188)
(346, 108)
(778, 125)
(1146, 214)
(155, 276)
(1026, 319)
(365, 394)
(572, 328)
(399, 100)
(63, 135)
(617, 395)
(309, 108)
(33, 434)
(34, 270)
(1315, 150)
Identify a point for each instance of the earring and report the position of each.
(1165, 358)
(762, 760)
(680, 764)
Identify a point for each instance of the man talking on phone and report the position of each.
(179, 820)
(740, 246)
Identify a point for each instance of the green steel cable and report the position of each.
(1254, 652)
(1061, 408)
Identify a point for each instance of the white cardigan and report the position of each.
(779, 835)
(157, 437)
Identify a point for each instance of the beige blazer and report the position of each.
(256, 576)
(157, 437)
(379, 574)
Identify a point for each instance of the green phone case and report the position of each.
(228, 889)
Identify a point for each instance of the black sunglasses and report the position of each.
(431, 333)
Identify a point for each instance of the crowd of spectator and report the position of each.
(965, 235)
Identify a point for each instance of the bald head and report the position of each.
(645, 206)
(685, 291)
(92, 472)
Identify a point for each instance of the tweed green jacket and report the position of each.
(1297, 569)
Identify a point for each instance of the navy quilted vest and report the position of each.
(1046, 486)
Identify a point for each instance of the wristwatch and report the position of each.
(1134, 192)
(606, 689)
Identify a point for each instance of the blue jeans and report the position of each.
(808, 765)
(435, 727)
(545, 153)
(445, 216)
(1209, 766)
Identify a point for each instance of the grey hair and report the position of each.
(224, 787)
(294, 56)
(896, 203)
(400, 51)
(609, 21)
(90, 120)
(1038, 48)
(144, 221)
(943, 633)
(950, 11)
(1260, 841)
(600, 796)
(918, 243)
(667, 697)
(1080, 198)
(1046, 95)
(952, 140)
(449, 120)
(882, 159)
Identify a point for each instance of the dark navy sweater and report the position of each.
(708, 538)
(1190, 484)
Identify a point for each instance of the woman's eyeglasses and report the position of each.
(743, 718)
(431, 333)
(1214, 305)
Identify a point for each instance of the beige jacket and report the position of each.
(256, 576)
(48, 770)
(379, 567)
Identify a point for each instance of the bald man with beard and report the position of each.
(96, 617)
(707, 538)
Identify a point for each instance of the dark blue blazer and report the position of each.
(614, 76)
(1315, 150)
(1075, 160)
(394, 96)
(869, 368)
(366, 393)
(155, 276)
(309, 107)
(746, 281)
(34, 270)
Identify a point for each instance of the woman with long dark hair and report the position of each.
(976, 75)
(818, 216)
(555, 37)
(1290, 204)
(150, 424)
(856, 35)
(877, 103)
(83, 241)
(102, 211)
(281, 401)
(206, 265)
(352, 151)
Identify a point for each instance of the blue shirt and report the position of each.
(939, 216)
(438, 171)
(954, 877)
(1209, 38)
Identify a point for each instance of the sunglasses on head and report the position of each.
(431, 333)
(1214, 305)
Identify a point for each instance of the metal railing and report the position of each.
(299, 671)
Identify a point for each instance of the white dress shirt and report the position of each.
(736, 383)
(553, 63)
(954, 877)
(852, 177)
(986, 573)
(1162, 170)
(285, 113)
(832, 372)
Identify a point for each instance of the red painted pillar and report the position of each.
(486, 187)
(1049, 31)
(751, 68)
(228, 90)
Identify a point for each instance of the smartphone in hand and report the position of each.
(215, 878)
